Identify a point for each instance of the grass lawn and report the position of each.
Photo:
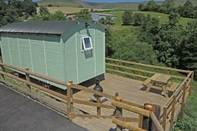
(124, 30)
(163, 17)
(69, 3)
(189, 120)
(67, 9)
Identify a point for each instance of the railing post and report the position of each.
(98, 108)
(118, 111)
(140, 72)
(173, 112)
(147, 121)
(117, 67)
(140, 121)
(69, 97)
(28, 79)
(183, 101)
(2, 68)
(168, 72)
(164, 117)
(192, 78)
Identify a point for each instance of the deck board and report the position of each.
(130, 90)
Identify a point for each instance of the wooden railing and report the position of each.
(54, 94)
(140, 71)
(68, 99)
(173, 108)
(153, 122)
(71, 100)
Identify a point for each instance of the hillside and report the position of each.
(120, 5)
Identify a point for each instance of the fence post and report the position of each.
(173, 112)
(168, 72)
(28, 79)
(117, 67)
(98, 108)
(140, 121)
(140, 72)
(192, 78)
(118, 111)
(69, 97)
(164, 117)
(147, 122)
(2, 68)
(183, 101)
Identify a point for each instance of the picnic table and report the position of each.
(160, 82)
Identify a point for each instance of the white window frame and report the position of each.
(83, 42)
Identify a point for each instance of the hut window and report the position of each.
(87, 43)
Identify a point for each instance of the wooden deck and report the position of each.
(130, 90)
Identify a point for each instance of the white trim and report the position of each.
(83, 42)
(43, 42)
(19, 51)
(76, 49)
(32, 66)
(95, 56)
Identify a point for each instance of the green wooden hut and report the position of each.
(63, 50)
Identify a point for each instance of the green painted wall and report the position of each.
(59, 57)
(40, 53)
(83, 65)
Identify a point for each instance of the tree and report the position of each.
(167, 6)
(132, 50)
(127, 17)
(102, 21)
(170, 38)
(149, 30)
(29, 8)
(188, 4)
(141, 7)
(8, 14)
(106, 21)
(58, 15)
(43, 10)
(188, 58)
(151, 6)
(84, 15)
(109, 51)
(138, 18)
(188, 10)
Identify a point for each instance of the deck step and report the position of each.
(95, 124)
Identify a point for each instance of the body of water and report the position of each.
(113, 1)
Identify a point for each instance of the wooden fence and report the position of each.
(169, 113)
(174, 107)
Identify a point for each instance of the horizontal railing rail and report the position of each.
(169, 113)
(175, 104)
(143, 113)
(121, 67)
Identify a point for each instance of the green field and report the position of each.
(120, 5)
(163, 17)
(68, 3)
(124, 30)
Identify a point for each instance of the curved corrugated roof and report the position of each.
(42, 27)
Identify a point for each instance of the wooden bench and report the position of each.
(146, 82)
(172, 87)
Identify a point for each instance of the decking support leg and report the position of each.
(118, 111)
(148, 123)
